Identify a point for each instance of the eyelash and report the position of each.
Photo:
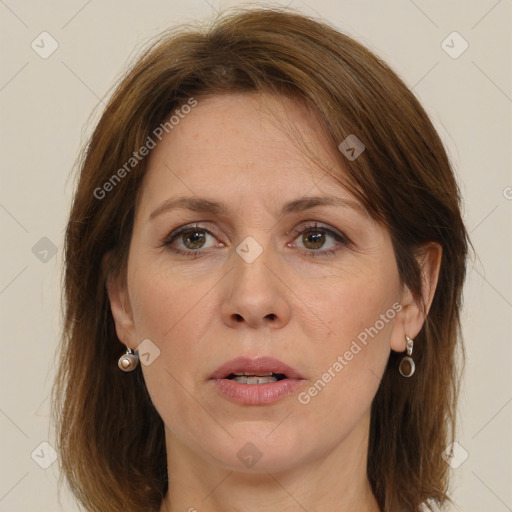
(340, 238)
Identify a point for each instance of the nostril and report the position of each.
(240, 318)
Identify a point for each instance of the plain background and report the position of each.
(46, 106)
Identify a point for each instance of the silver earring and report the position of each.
(128, 361)
(407, 359)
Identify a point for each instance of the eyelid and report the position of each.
(297, 230)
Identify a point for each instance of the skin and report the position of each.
(201, 312)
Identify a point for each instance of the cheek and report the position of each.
(350, 354)
(172, 314)
(165, 302)
(350, 303)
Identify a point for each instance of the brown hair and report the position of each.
(111, 438)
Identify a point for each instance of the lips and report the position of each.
(261, 366)
(260, 381)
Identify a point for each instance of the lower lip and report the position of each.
(257, 394)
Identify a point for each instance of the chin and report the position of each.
(258, 449)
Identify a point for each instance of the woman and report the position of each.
(264, 264)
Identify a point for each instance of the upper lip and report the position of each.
(254, 366)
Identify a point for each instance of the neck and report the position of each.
(335, 482)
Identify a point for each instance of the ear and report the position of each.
(119, 304)
(411, 318)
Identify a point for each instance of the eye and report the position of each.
(314, 241)
(188, 240)
(319, 240)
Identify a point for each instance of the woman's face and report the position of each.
(247, 265)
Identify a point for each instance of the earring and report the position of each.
(128, 361)
(407, 360)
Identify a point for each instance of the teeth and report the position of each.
(250, 379)
(263, 374)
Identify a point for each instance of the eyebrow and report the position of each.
(204, 205)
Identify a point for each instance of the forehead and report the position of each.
(239, 146)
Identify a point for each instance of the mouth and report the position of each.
(260, 370)
(259, 381)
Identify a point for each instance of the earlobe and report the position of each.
(408, 323)
(411, 318)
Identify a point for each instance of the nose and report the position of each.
(256, 295)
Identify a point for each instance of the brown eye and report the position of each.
(190, 241)
(319, 241)
(193, 239)
(313, 238)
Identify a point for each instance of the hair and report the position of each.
(111, 438)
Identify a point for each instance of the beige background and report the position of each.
(45, 104)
